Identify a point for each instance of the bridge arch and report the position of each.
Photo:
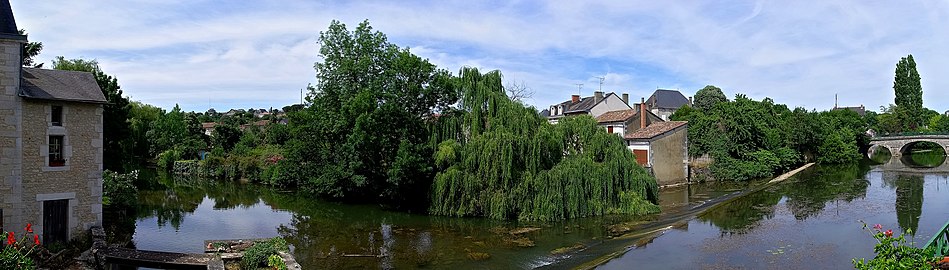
(898, 145)
(909, 145)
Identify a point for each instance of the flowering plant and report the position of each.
(895, 252)
(16, 254)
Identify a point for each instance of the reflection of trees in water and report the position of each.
(744, 213)
(169, 198)
(928, 159)
(809, 195)
(909, 201)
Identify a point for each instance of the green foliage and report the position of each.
(30, 51)
(179, 131)
(895, 253)
(364, 136)
(141, 117)
(499, 159)
(257, 255)
(909, 94)
(13, 258)
(225, 136)
(119, 188)
(707, 97)
(167, 159)
(753, 139)
(116, 147)
(276, 262)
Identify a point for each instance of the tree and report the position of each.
(707, 97)
(364, 136)
(499, 159)
(518, 91)
(909, 93)
(115, 127)
(30, 51)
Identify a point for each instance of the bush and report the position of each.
(257, 255)
(17, 254)
(167, 158)
(895, 252)
(119, 188)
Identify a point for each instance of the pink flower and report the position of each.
(878, 227)
(888, 233)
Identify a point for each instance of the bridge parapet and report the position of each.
(897, 144)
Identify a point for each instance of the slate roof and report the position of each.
(667, 99)
(615, 116)
(8, 28)
(656, 129)
(584, 105)
(61, 85)
(859, 110)
(545, 113)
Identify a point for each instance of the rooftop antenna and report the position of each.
(835, 100)
(601, 82)
(579, 87)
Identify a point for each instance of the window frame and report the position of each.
(56, 150)
(56, 111)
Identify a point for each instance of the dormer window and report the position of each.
(56, 116)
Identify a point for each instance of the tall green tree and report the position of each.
(363, 137)
(30, 51)
(707, 97)
(909, 93)
(115, 127)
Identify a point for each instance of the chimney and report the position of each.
(690, 102)
(626, 98)
(597, 96)
(642, 113)
(575, 98)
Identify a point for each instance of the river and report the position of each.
(812, 219)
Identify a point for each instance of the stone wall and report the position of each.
(670, 157)
(80, 180)
(11, 196)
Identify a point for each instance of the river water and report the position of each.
(809, 221)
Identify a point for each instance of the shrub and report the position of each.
(167, 159)
(119, 188)
(258, 254)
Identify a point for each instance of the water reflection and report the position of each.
(909, 201)
(810, 220)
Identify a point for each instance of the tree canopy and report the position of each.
(909, 93)
(363, 137)
(707, 97)
(499, 159)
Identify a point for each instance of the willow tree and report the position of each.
(499, 159)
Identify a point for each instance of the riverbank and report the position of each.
(652, 231)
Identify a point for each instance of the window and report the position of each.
(56, 116)
(56, 151)
(609, 129)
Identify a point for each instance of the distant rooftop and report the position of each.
(655, 129)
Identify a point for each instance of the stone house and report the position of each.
(51, 141)
(594, 106)
(660, 146)
(665, 102)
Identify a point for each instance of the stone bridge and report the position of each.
(899, 145)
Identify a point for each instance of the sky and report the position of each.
(260, 54)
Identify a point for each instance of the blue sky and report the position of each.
(260, 54)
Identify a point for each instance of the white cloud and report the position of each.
(248, 54)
